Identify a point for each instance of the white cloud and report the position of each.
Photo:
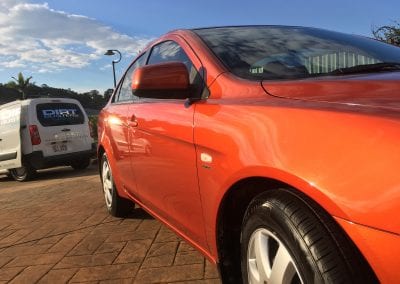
(46, 40)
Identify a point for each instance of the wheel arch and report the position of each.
(100, 153)
(231, 213)
(228, 223)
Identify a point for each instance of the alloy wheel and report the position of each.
(269, 261)
(107, 184)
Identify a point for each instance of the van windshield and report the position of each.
(57, 114)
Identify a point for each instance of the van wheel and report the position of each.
(24, 173)
(288, 239)
(116, 205)
(80, 164)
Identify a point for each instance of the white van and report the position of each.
(43, 133)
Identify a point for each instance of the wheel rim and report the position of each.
(20, 171)
(269, 261)
(107, 184)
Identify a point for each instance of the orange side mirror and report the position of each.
(168, 80)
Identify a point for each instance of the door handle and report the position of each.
(133, 121)
(66, 130)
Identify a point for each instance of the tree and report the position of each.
(389, 33)
(20, 84)
(108, 93)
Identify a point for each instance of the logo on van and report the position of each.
(60, 113)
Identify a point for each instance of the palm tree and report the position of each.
(22, 84)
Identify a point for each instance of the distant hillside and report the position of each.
(91, 100)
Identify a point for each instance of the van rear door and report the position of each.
(10, 141)
(63, 127)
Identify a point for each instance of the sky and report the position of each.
(62, 43)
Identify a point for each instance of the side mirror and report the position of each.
(168, 80)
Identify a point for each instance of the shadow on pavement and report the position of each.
(58, 173)
(139, 213)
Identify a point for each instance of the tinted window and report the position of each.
(167, 52)
(275, 52)
(56, 114)
(125, 91)
(170, 51)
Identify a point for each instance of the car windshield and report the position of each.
(277, 52)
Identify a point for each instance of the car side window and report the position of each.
(125, 90)
(169, 51)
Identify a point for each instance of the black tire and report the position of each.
(117, 206)
(81, 164)
(319, 249)
(24, 173)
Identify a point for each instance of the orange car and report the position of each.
(273, 150)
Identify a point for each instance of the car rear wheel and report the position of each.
(24, 173)
(81, 164)
(285, 239)
(116, 205)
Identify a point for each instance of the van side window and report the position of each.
(125, 91)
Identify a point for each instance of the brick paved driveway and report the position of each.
(56, 230)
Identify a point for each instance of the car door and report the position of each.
(119, 130)
(164, 159)
(10, 141)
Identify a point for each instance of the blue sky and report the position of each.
(61, 42)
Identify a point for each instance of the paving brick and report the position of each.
(24, 223)
(110, 228)
(24, 244)
(110, 247)
(3, 225)
(131, 236)
(166, 236)
(58, 276)
(4, 260)
(89, 245)
(106, 272)
(65, 228)
(117, 281)
(134, 251)
(149, 225)
(6, 233)
(95, 218)
(205, 281)
(68, 242)
(50, 240)
(86, 260)
(37, 234)
(163, 248)
(25, 250)
(184, 247)
(38, 259)
(64, 234)
(210, 271)
(158, 261)
(189, 257)
(14, 237)
(170, 274)
(6, 274)
(31, 274)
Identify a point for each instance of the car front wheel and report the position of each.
(288, 239)
(116, 205)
